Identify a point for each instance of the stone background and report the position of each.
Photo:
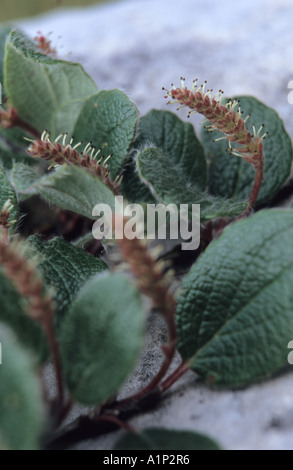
(243, 48)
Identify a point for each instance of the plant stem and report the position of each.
(64, 410)
(87, 427)
(4, 234)
(10, 118)
(115, 420)
(26, 127)
(151, 282)
(181, 370)
(259, 170)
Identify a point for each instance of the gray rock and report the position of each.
(243, 48)
(139, 46)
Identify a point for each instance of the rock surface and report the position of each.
(243, 48)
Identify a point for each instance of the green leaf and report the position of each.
(234, 315)
(109, 121)
(15, 135)
(101, 337)
(10, 156)
(37, 85)
(65, 117)
(24, 178)
(132, 186)
(69, 187)
(65, 268)
(84, 240)
(5, 159)
(165, 439)
(14, 140)
(177, 140)
(7, 193)
(21, 408)
(174, 186)
(4, 33)
(13, 312)
(231, 176)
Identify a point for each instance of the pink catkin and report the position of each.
(148, 275)
(24, 277)
(40, 305)
(61, 153)
(45, 44)
(151, 281)
(224, 119)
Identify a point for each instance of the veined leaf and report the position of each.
(38, 85)
(177, 140)
(101, 337)
(69, 187)
(231, 176)
(21, 408)
(234, 316)
(109, 121)
(174, 187)
(166, 439)
(65, 268)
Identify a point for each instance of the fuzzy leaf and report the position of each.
(65, 117)
(7, 192)
(24, 178)
(65, 268)
(69, 187)
(174, 186)
(5, 159)
(13, 313)
(234, 315)
(13, 142)
(101, 337)
(21, 408)
(4, 33)
(38, 85)
(133, 187)
(178, 142)
(109, 120)
(165, 439)
(9, 156)
(231, 176)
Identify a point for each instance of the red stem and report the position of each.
(169, 350)
(27, 127)
(10, 118)
(64, 410)
(259, 171)
(181, 370)
(115, 420)
(4, 234)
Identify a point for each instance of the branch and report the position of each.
(10, 118)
